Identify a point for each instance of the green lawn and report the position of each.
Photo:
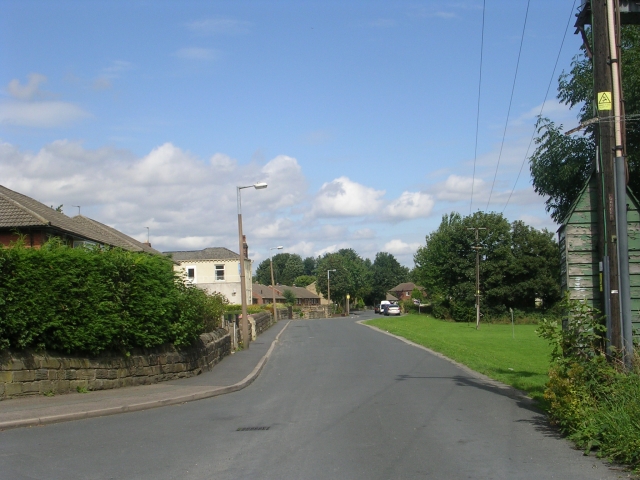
(522, 362)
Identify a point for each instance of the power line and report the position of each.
(513, 87)
(546, 95)
(475, 153)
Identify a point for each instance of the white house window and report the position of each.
(220, 272)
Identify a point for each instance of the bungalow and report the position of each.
(22, 217)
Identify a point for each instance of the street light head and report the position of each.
(258, 186)
(280, 247)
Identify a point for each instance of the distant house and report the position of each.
(23, 217)
(264, 294)
(215, 269)
(403, 290)
(312, 287)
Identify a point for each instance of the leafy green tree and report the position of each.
(289, 297)
(518, 264)
(386, 273)
(352, 276)
(561, 164)
(310, 265)
(286, 268)
(304, 281)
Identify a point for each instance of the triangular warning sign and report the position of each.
(604, 100)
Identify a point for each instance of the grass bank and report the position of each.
(519, 359)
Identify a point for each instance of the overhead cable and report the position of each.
(546, 95)
(513, 87)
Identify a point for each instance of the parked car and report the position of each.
(383, 304)
(376, 308)
(392, 309)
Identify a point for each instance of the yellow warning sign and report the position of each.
(604, 100)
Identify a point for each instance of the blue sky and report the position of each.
(361, 116)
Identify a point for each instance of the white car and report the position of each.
(392, 310)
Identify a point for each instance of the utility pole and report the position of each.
(607, 150)
(477, 248)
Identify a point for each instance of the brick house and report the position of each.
(23, 217)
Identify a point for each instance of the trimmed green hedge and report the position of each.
(91, 300)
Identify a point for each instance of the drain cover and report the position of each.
(251, 429)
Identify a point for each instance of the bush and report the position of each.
(591, 397)
(90, 300)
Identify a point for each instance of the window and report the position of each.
(191, 274)
(220, 273)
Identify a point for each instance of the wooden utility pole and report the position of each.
(605, 140)
(477, 248)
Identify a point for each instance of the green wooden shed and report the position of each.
(580, 261)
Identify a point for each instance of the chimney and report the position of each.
(148, 244)
(245, 247)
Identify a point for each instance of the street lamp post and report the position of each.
(329, 286)
(243, 289)
(273, 285)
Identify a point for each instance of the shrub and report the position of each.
(90, 300)
(590, 396)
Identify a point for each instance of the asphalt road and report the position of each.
(336, 400)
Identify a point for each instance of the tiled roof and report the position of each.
(404, 287)
(17, 211)
(112, 236)
(211, 253)
(264, 291)
(299, 291)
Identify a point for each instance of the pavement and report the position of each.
(233, 373)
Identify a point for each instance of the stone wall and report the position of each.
(41, 374)
(318, 311)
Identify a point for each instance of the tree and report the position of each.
(286, 268)
(386, 273)
(561, 164)
(304, 281)
(352, 276)
(519, 264)
(310, 264)
(289, 297)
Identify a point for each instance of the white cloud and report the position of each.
(304, 249)
(279, 228)
(28, 91)
(457, 188)
(29, 110)
(410, 205)
(196, 53)
(186, 202)
(364, 233)
(342, 197)
(46, 114)
(219, 26)
(399, 247)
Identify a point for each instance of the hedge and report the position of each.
(92, 300)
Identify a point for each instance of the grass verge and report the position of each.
(519, 359)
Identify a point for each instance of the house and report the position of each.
(312, 288)
(23, 217)
(403, 290)
(215, 269)
(263, 294)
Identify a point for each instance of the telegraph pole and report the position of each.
(607, 149)
(477, 248)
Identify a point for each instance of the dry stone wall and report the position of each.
(42, 374)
